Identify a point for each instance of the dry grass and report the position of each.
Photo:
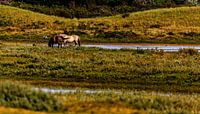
(100, 107)
(158, 24)
(131, 102)
(6, 110)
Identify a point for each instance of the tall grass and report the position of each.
(130, 102)
(108, 101)
(23, 96)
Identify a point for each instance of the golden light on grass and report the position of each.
(6, 110)
(182, 19)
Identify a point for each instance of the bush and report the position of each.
(125, 15)
(155, 26)
(115, 34)
(190, 34)
(5, 23)
(189, 51)
(22, 96)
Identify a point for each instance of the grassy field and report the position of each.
(125, 70)
(112, 101)
(172, 25)
(101, 68)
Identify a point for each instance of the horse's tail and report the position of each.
(79, 42)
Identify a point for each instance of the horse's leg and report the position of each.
(58, 45)
(79, 42)
(50, 44)
(65, 43)
(75, 43)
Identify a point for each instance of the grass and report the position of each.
(170, 25)
(101, 68)
(22, 96)
(94, 68)
(7, 110)
(132, 102)
(112, 101)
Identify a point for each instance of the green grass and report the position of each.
(170, 25)
(140, 102)
(99, 68)
(23, 97)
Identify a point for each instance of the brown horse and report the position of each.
(56, 39)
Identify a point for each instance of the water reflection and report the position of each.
(164, 47)
(90, 91)
(167, 48)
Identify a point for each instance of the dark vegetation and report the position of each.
(94, 8)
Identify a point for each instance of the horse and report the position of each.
(56, 39)
(71, 38)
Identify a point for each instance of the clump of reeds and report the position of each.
(189, 51)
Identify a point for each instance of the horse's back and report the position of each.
(76, 37)
(64, 35)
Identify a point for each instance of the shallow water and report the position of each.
(167, 48)
(164, 47)
(90, 91)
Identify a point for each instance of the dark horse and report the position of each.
(56, 39)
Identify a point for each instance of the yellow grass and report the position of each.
(5, 110)
(100, 108)
(176, 20)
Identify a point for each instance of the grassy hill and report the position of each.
(171, 25)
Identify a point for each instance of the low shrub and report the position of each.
(116, 34)
(5, 23)
(191, 34)
(155, 26)
(189, 51)
(171, 33)
(125, 15)
(22, 96)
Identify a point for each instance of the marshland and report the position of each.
(116, 80)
